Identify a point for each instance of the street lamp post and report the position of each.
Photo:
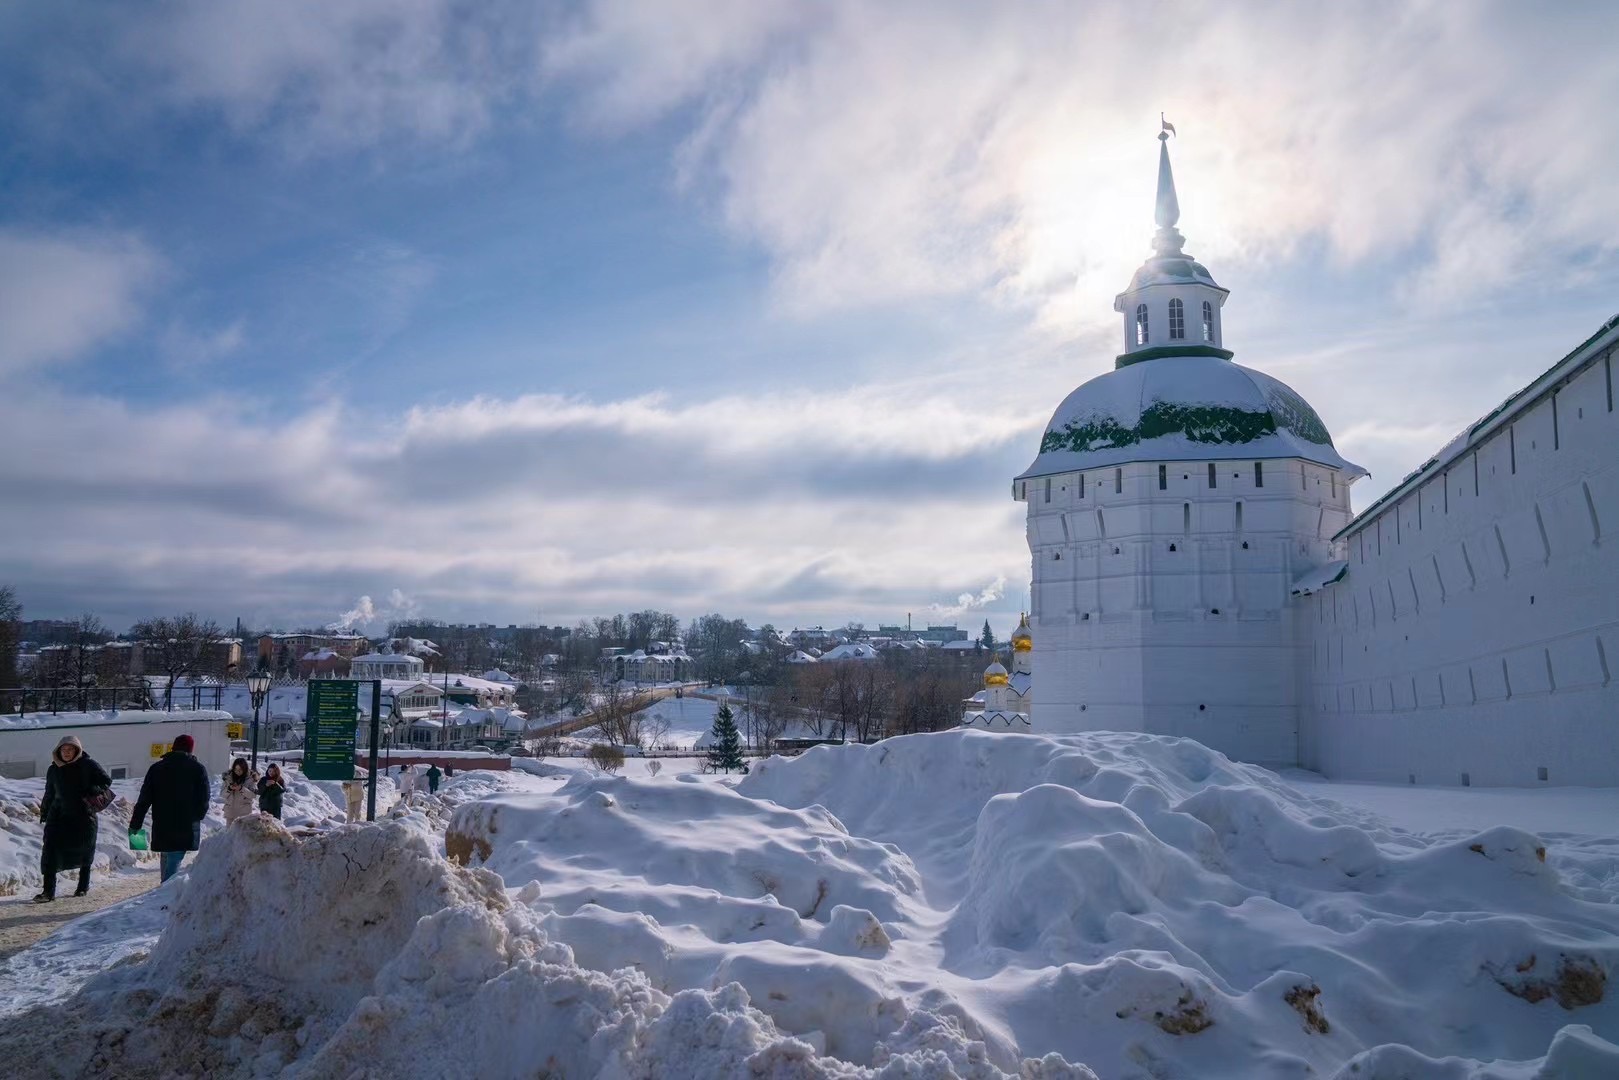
(258, 685)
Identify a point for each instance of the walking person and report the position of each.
(176, 792)
(354, 800)
(70, 821)
(238, 789)
(433, 776)
(271, 788)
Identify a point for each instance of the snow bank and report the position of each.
(1135, 902)
(363, 952)
(22, 835)
(1155, 881)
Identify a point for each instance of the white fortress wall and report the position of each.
(1475, 636)
(1168, 609)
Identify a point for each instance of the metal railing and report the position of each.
(23, 700)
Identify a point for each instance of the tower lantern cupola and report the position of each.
(1172, 307)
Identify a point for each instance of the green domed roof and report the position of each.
(1183, 408)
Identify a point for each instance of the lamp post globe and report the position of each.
(258, 685)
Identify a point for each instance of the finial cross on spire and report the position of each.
(1169, 208)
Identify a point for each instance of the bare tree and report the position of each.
(655, 729)
(180, 645)
(772, 712)
(10, 617)
(617, 715)
(815, 699)
(654, 767)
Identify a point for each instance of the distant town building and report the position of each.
(386, 666)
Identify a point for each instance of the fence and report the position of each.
(23, 700)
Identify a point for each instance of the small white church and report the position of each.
(1197, 570)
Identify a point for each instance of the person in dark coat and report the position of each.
(176, 792)
(271, 788)
(433, 776)
(70, 826)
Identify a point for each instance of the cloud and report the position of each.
(322, 78)
(766, 506)
(885, 153)
(881, 153)
(65, 292)
(185, 347)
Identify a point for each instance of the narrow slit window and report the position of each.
(1208, 322)
(1141, 324)
(1048, 489)
(1081, 485)
(1163, 478)
(1259, 474)
(1239, 519)
(1118, 481)
(1304, 478)
(1177, 320)
(1186, 519)
(1211, 474)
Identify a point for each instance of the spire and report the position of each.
(1169, 208)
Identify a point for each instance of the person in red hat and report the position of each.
(176, 791)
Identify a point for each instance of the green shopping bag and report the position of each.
(138, 841)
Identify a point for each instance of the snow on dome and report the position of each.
(1182, 408)
(1022, 639)
(995, 675)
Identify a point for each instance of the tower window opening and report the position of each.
(1239, 521)
(1211, 474)
(1048, 489)
(1081, 485)
(1208, 322)
(1259, 474)
(1186, 518)
(1118, 481)
(1025, 495)
(1177, 320)
(1163, 478)
(1141, 324)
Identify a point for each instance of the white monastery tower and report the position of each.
(1174, 503)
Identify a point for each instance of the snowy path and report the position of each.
(23, 922)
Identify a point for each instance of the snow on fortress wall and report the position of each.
(1476, 633)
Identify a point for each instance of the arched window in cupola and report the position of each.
(1208, 321)
(1177, 320)
(1141, 324)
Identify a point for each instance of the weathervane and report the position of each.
(1166, 126)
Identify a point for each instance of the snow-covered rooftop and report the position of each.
(1182, 408)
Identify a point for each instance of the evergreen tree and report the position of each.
(987, 638)
(725, 751)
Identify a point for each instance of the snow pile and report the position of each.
(1138, 903)
(22, 835)
(363, 952)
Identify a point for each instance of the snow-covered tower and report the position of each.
(1173, 504)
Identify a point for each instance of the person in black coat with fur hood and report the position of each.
(70, 825)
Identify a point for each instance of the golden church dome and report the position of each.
(995, 675)
(1022, 640)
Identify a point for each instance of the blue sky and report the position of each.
(518, 311)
